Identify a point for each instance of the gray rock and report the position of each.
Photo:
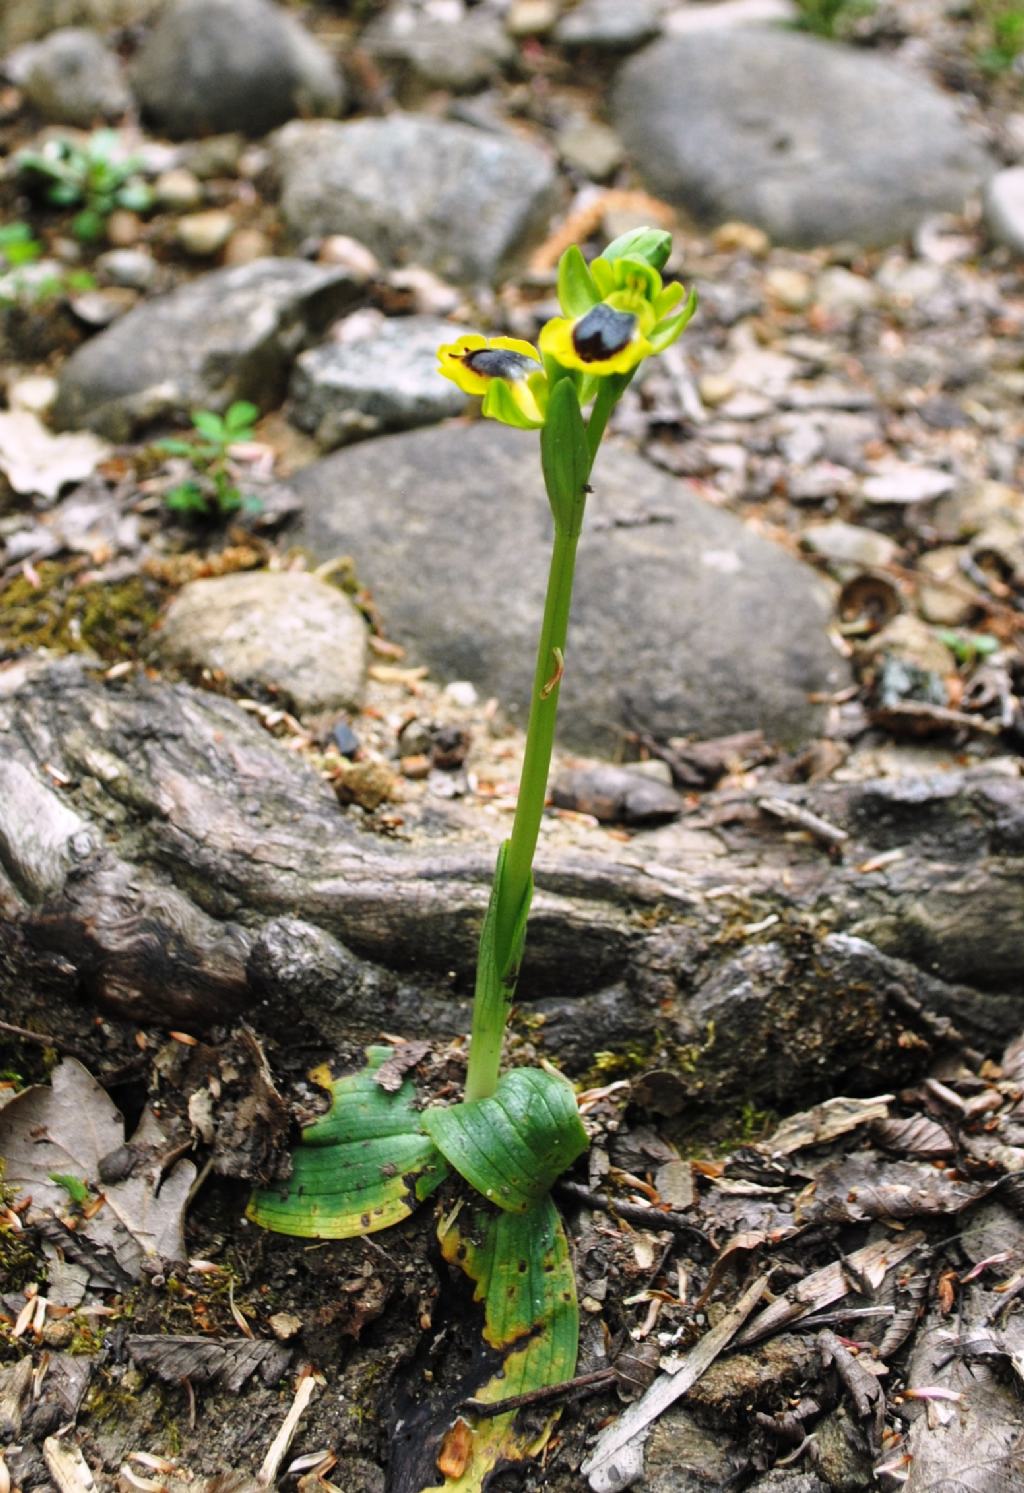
(25, 20)
(461, 56)
(72, 77)
(683, 619)
(1004, 207)
(385, 381)
(447, 196)
(227, 335)
(730, 14)
(211, 66)
(287, 634)
(812, 141)
(591, 147)
(609, 25)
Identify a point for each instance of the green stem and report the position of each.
(514, 883)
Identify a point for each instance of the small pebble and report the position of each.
(461, 692)
(742, 237)
(246, 245)
(531, 17)
(416, 767)
(204, 234)
(123, 228)
(793, 290)
(349, 254)
(134, 269)
(178, 190)
(284, 1326)
(344, 738)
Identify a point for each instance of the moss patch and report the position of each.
(72, 615)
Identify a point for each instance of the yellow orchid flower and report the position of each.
(505, 371)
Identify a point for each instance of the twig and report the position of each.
(792, 813)
(635, 1213)
(282, 1441)
(582, 1384)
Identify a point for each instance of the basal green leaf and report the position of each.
(565, 456)
(520, 1266)
(361, 1167)
(511, 1146)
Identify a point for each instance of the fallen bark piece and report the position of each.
(617, 1458)
(830, 1284)
(228, 1362)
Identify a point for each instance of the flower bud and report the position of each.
(653, 245)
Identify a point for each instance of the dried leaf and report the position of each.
(814, 1127)
(68, 1127)
(38, 463)
(917, 1136)
(863, 1186)
(404, 1058)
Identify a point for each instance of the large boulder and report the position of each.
(683, 621)
(812, 141)
(456, 199)
(212, 66)
(231, 334)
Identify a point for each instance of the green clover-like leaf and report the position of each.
(511, 1146)
(363, 1166)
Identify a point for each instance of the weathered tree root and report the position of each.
(165, 859)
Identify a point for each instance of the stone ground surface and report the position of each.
(807, 533)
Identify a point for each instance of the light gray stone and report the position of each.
(387, 380)
(461, 56)
(456, 199)
(72, 77)
(849, 544)
(212, 66)
(610, 26)
(810, 140)
(727, 15)
(684, 620)
(287, 634)
(135, 269)
(1004, 208)
(227, 335)
(591, 147)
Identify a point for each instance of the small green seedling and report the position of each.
(1003, 21)
(967, 647)
(835, 19)
(96, 177)
(211, 492)
(24, 280)
(375, 1155)
(18, 246)
(77, 1190)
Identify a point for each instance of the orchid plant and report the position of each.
(374, 1156)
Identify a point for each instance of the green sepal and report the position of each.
(653, 245)
(522, 1272)
(361, 1167)
(667, 300)
(666, 332)
(500, 404)
(577, 292)
(565, 457)
(512, 1146)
